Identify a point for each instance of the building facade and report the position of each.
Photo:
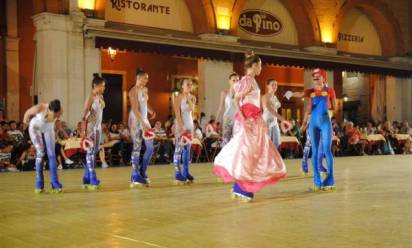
(50, 49)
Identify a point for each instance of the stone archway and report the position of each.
(203, 17)
(382, 18)
(302, 14)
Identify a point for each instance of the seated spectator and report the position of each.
(79, 132)
(212, 136)
(407, 148)
(66, 129)
(197, 138)
(3, 135)
(161, 141)
(370, 129)
(5, 157)
(211, 131)
(295, 131)
(126, 145)
(387, 131)
(168, 126)
(116, 139)
(17, 139)
(61, 135)
(5, 126)
(27, 159)
(197, 130)
(15, 134)
(203, 122)
(406, 128)
(354, 139)
(107, 142)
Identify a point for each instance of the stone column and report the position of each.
(213, 78)
(12, 63)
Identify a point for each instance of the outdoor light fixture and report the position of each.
(223, 19)
(87, 6)
(345, 98)
(175, 91)
(112, 53)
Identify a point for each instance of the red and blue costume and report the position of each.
(320, 131)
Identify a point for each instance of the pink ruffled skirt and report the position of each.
(250, 158)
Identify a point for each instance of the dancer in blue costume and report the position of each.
(92, 122)
(184, 106)
(320, 98)
(306, 151)
(42, 118)
(138, 124)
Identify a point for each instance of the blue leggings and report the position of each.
(182, 156)
(89, 172)
(306, 151)
(137, 138)
(36, 137)
(321, 125)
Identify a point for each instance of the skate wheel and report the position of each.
(233, 196)
(92, 187)
(138, 185)
(84, 186)
(180, 183)
(316, 189)
(56, 191)
(38, 191)
(246, 199)
(329, 188)
(305, 174)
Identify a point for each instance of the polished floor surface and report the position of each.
(372, 207)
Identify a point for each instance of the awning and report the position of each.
(189, 45)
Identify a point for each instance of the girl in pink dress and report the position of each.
(250, 158)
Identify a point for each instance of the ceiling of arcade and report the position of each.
(316, 21)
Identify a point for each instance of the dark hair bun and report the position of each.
(97, 79)
(249, 54)
(55, 106)
(140, 71)
(251, 58)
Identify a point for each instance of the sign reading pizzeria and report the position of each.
(350, 37)
(259, 22)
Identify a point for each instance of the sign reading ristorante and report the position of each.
(259, 22)
(140, 6)
(166, 14)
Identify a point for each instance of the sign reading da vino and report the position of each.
(259, 22)
(167, 14)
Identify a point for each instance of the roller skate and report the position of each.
(86, 179)
(316, 188)
(330, 188)
(329, 184)
(138, 181)
(144, 175)
(39, 187)
(56, 187)
(304, 172)
(323, 171)
(190, 178)
(94, 182)
(180, 179)
(238, 193)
